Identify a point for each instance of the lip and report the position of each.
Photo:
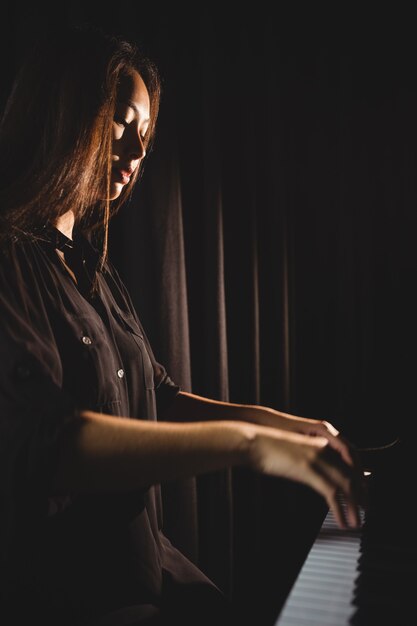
(123, 175)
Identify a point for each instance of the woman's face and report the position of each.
(130, 124)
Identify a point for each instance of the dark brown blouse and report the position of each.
(70, 557)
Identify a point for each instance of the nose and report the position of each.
(136, 146)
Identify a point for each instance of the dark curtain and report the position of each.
(269, 249)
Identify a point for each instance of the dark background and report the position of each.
(270, 248)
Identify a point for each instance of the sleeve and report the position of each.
(35, 412)
(165, 388)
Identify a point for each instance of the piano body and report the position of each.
(364, 577)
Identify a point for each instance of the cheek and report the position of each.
(117, 139)
(117, 132)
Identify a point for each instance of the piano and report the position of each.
(366, 576)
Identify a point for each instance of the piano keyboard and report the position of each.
(323, 593)
(364, 577)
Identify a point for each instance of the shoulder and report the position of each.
(14, 253)
(26, 277)
(18, 257)
(13, 245)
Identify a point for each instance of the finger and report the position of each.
(339, 512)
(346, 511)
(341, 490)
(338, 442)
(348, 452)
(351, 481)
(329, 492)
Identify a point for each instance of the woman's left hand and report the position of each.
(312, 427)
(323, 428)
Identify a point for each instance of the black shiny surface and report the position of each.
(385, 587)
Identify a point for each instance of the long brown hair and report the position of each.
(56, 130)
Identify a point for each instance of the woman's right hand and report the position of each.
(314, 462)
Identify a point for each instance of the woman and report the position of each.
(81, 453)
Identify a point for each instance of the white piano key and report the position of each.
(323, 591)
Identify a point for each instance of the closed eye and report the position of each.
(121, 122)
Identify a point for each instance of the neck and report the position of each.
(65, 223)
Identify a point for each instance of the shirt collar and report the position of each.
(55, 239)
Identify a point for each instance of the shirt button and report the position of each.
(120, 373)
(86, 340)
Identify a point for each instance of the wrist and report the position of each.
(244, 437)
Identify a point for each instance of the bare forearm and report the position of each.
(108, 453)
(189, 407)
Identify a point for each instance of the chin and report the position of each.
(115, 191)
